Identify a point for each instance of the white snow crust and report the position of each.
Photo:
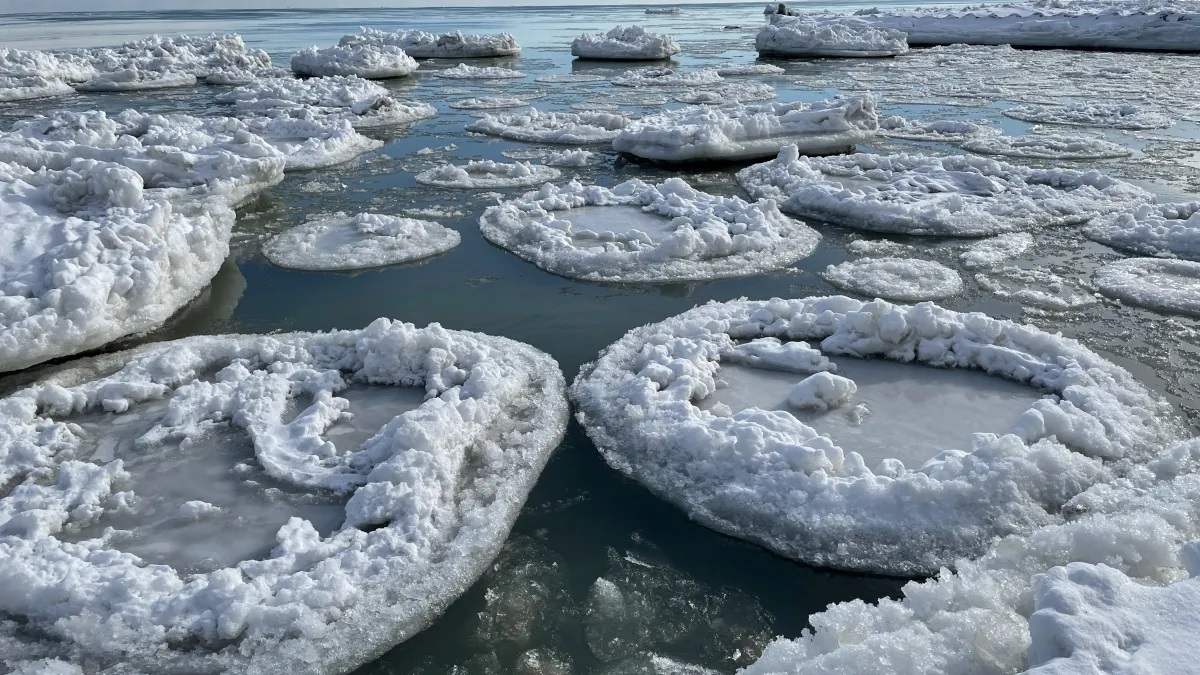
(488, 174)
(1086, 114)
(977, 619)
(567, 128)
(1160, 230)
(368, 61)
(1165, 285)
(454, 45)
(625, 43)
(431, 496)
(937, 131)
(645, 233)
(767, 477)
(903, 279)
(750, 131)
(840, 37)
(937, 196)
(668, 78)
(1046, 146)
(358, 242)
(467, 72)
(361, 102)
(90, 256)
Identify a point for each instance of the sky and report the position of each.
(42, 6)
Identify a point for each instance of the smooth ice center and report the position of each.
(913, 412)
(617, 220)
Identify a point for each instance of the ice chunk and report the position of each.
(90, 256)
(453, 45)
(1038, 288)
(904, 279)
(995, 250)
(570, 78)
(489, 103)
(1166, 285)
(486, 174)
(667, 78)
(312, 141)
(367, 60)
(936, 196)
(569, 158)
(632, 43)
(937, 131)
(836, 37)
(466, 72)
(1090, 618)
(771, 478)
(1161, 230)
(749, 69)
(821, 391)
(429, 499)
(1085, 114)
(750, 131)
(733, 92)
(362, 241)
(771, 354)
(363, 103)
(27, 87)
(646, 233)
(135, 79)
(664, 10)
(1046, 146)
(535, 126)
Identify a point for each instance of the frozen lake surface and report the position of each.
(598, 572)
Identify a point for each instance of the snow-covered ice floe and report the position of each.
(725, 94)
(625, 43)
(1120, 25)
(312, 141)
(1163, 230)
(1046, 146)
(668, 78)
(645, 233)
(368, 61)
(902, 279)
(361, 102)
(664, 10)
(995, 250)
(453, 45)
(1166, 285)
(1015, 609)
(937, 131)
(1084, 114)
(738, 132)
(135, 79)
(535, 126)
(458, 427)
(187, 157)
(358, 242)
(486, 174)
(936, 196)
(91, 256)
(23, 88)
(842, 37)
(467, 72)
(489, 103)
(749, 69)
(696, 409)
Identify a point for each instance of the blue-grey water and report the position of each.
(706, 599)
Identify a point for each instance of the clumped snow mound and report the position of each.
(667, 78)
(358, 242)
(91, 256)
(361, 102)
(465, 72)
(977, 619)
(821, 391)
(750, 131)
(1084, 114)
(312, 141)
(765, 476)
(903, 279)
(645, 233)
(1165, 285)
(842, 37)
(1046, 146)
(480, 174)
(535, 126)
(453, 45)
(935, 196)
(1161, 230)
(368, 61)
(23, 88)
(431, 496)
(631, 43)
(195, 157)
(937, 131)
